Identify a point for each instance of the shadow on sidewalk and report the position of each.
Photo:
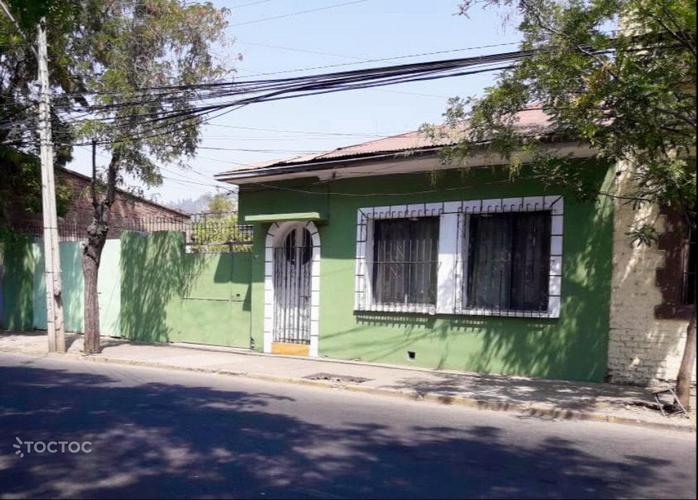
(558, 393)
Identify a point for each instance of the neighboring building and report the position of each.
(653, 294)
(381, 252)
(127, 211)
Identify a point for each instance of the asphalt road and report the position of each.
(156, 433)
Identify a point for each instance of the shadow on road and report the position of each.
(168, 440)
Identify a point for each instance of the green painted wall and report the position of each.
(17, 264)
(109, 289)
(572, 347)
(71, 276)
(149, 289)
(73, 290)
(168, 295)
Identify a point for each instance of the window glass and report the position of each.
(509, 261)
(405, 259)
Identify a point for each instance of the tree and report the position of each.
(128, 53)
(617, 74)
(220, 204)
(20, 190)
(218, 230)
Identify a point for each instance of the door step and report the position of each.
(290, 349)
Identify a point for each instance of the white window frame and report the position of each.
(454, 217)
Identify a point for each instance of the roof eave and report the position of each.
(243, 176)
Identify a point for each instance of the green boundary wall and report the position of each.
(150, 290)
(168, 295)
(16, 288)
(572, 347)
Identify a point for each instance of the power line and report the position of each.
(219, 98)
(297, 13)
(381, 59)
(8, 13)
(248, 150)
(164, 119)
(242, 86)
(286, 88)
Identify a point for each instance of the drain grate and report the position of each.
(337, 379)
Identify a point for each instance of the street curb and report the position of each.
(479, 404)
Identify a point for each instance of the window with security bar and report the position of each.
(507, 264)
(405, 261)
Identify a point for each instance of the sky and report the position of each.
(270, 36)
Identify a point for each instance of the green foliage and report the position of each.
(101, 52)
(220, 204)
(20, 189)
(219, 233)
(644, 235)
(618, 75)
(129, 49)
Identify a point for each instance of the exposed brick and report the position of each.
(126, 208)
(641, 348)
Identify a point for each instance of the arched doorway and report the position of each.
(292, 271)
(291, 295)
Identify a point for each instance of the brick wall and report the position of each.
(642, 349)
(125, 210)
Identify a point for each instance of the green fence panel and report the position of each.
(109, 289)
(168, 295)
(17, 264)
(72, 281)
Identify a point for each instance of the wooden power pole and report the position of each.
(52, 263)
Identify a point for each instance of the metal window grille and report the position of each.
(405, 261)
(292, 290)
(452, 271)
(508, 261)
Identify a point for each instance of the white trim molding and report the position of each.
(275, 235)
(454, 224)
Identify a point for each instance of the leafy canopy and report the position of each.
(101, 53)
(220, 204)
(619, 75)
(20, 189)
(129, 50)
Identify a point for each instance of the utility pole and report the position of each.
(52, 262)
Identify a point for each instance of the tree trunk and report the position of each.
(90, 271)
(92, 251)
(683, 379)
(91, 256)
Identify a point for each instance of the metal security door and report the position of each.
(292, 271)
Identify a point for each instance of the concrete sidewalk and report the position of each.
(522, 395)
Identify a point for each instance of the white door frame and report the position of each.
(275, 236)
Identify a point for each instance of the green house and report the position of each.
(382, 252)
